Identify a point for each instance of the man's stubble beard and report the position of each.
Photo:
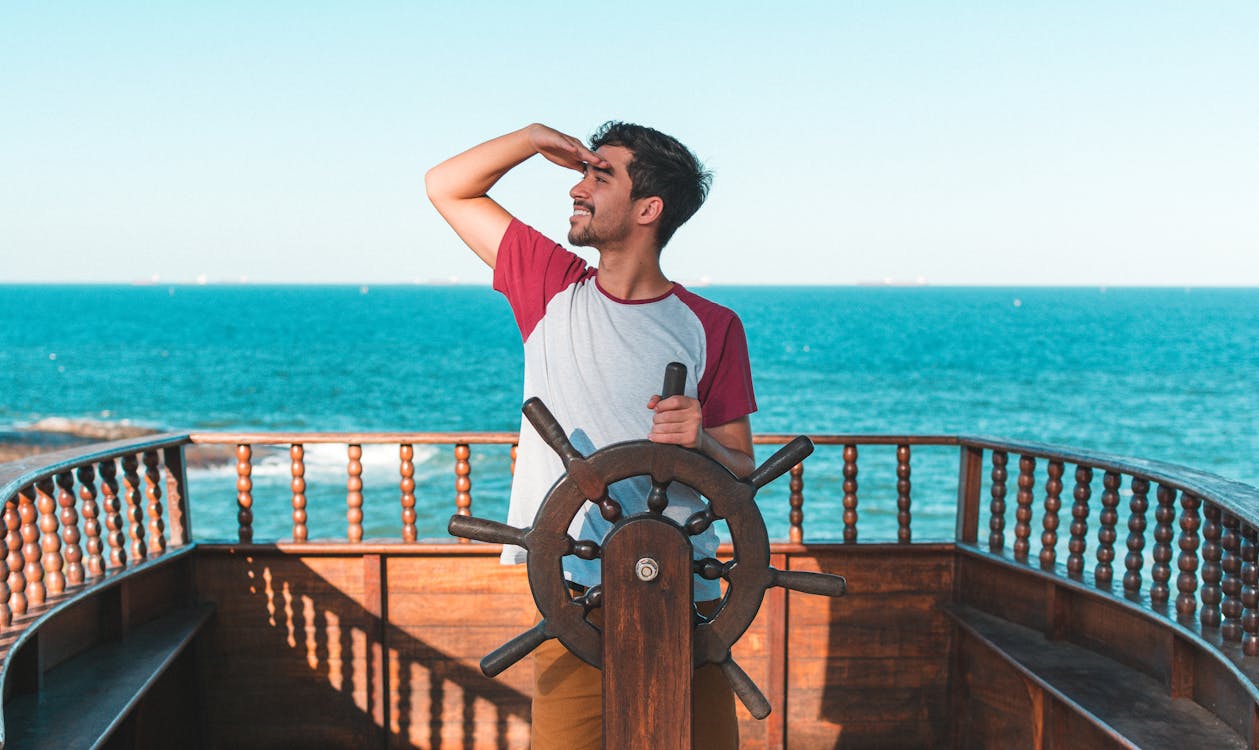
(589, 236)
(582, 237)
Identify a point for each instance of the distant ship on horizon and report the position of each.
(891, 281)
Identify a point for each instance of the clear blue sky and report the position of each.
(960, 143)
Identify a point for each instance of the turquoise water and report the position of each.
(1169, 374)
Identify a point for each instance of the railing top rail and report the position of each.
(358, 438)
(829, 439)
(1238, 498)
(486, 438)
(23, 472)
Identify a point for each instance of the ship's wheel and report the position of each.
(748, 574)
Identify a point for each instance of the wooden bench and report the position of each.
(82, 701)
(1127, 707)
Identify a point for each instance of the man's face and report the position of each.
(602, 209)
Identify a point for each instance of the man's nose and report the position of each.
(579, 190)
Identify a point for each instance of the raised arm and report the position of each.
(459, 186)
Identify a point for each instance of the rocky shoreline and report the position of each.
(58, 433)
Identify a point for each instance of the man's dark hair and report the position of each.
(661, 166)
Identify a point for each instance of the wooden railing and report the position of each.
(1203, 527)
(463, 445)
(296, 444)
(75, 517)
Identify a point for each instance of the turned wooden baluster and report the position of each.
(134, 510)
(244, 493)
(297, 469)
(1212, 571)
(850, 493)
(1077, 543)
(91, 520)
(6, 607)
(463, 481)
(113, 514)
(6, 594)
(795, 518)
(1187, 561)
(153, 493)
(406, 453)
(49, 541)
(902, 494)
(1023, 511)
(1053, 502)
(996, 523)
(354, 494)
(1107, 535)
(1231, 587)
(33, 571)
(1250, 591)
(180, 527)
(72, 554)
(1134, 561)
(13, 559)
(1161, 571)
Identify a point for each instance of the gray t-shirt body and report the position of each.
(595, 361)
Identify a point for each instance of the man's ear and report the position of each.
(649, 209)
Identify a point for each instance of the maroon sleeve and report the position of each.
(531, 269)
(725, 390)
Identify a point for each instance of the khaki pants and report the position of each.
(568, 704)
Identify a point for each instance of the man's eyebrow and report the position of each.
(602, 170)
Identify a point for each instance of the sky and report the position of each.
(949, 143)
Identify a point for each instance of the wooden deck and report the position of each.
(989, 640)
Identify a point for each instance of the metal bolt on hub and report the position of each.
(647, 569)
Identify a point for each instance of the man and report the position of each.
(596, 344)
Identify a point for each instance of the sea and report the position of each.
(1170, 374)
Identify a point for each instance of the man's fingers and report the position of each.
(591, 157)
(579, 156)
(569, 155)
(671, 417)
(672, 403)
(676, 420)
(670, 425)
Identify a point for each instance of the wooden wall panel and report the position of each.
(155, 592)
(291, 637)
(170, 714)
(70, 632)
(995, 707)
(445, 615)
(870, 669)
(751, 652)
(1066, 730)
(1124, 636)
(304, 639)
(1012, 594)
(1216, 688)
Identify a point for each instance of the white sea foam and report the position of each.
(325, 460)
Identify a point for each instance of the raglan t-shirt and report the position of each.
(595, 361)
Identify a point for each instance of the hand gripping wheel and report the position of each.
(587, 477)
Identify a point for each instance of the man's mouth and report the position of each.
(582, 210)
